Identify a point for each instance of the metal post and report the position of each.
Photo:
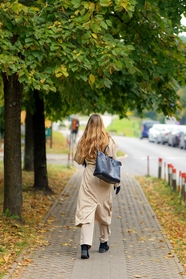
(51, 135)
(68, 142)
(148, 165)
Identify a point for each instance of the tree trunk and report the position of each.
(12, 146)
(40, 164)
(29, 143)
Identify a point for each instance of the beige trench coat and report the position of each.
(95, 195)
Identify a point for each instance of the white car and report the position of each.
(154, 132)
(175, 134)
(182, 143)
(164, 134)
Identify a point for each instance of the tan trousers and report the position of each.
(87, 232)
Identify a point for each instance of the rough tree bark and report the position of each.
(12, 146)
(29, 143)
(40, 163)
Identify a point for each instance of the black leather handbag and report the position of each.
(107, 168)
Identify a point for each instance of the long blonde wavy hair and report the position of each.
(94, 137)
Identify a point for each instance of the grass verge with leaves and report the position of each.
(57, 145)
(14, 238)
(170, 212)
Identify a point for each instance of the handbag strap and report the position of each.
(107, 145)
(105, 148)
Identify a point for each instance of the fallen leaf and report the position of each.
(183, 273)
(168, 256)
(28, 260)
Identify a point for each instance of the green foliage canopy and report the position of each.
(56, 40)
(96, 55)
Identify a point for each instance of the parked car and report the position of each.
(146, 125)
(182, 143)
(174, 135)
(154, 131)
(164, 133)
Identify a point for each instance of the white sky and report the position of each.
(183, 22)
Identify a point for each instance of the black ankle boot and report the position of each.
(84, 251)
(103, 247)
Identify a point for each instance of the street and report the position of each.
(138, 150)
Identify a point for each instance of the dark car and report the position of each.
(146, 125)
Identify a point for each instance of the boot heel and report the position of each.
(103, 247)
(84, 252)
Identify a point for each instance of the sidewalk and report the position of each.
(138, 249)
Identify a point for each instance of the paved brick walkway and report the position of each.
(138, 249)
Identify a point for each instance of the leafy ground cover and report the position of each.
(170, 211)
(16, 238)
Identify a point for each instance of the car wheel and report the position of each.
(173, 144)
(180, 146)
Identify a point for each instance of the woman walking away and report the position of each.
(95, 196)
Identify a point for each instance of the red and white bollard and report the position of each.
(169, 174)
(179, 181)
(159, 167)
(183, 186)
(174, 179)
(185, 190)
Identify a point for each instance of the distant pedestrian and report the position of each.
(95, 196)
(75, 125)
(74, 129)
